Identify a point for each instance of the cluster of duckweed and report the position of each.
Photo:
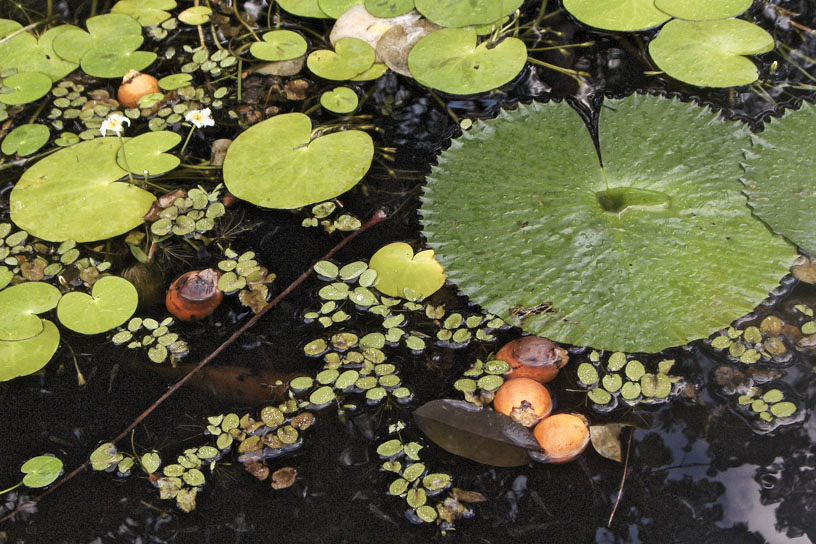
(242, 274)
(752, 344)
(329, 216)
(162, 30)
(25, 258)
(186, 213)
(201, 60)
(72, 103)
(351, 368)
(622, 378)
(355, 283)
(480, 381)
(277, 431)
(769, 405)
(421, 489)
(152, 336)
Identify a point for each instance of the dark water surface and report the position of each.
(698, 470)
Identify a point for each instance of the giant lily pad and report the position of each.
(145, 154)
(620, 15)
(146, 12)
(21, 304)
(278, 164)
(398, 269)
(23, 357)
(112, 302)
(24, 87)
(700, 10)
(779, 177)
(25, 139)
(450, 60)
(29, 54)
(710, 53)
(456, 13)
(653, 250)
(74, 194)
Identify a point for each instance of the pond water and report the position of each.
(701, 467)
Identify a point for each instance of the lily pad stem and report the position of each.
(244, 23)
(124, 156)
(12, 488)
(575, 74)
(187, 140)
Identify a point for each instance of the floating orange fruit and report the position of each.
(562, 437)
(194, 295)
(134, 86)
(523, 399)
(533, 357)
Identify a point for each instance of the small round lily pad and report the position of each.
(145, 154)
(351, 57)
(279, 45)
(398, 269)
(25, 139)
(41, 471)
(112, 302)
(23, 357)
(21, 304)
(619, 15)
(701, 10)
(24, 87)
(339, 100)
(196, 15)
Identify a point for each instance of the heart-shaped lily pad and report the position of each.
(710, 53)
(21, 303)
(146, 153)
(778, 177)
(146, 12)
(41, 471)
(620, 15)
(112, 302)
(388, 8)
(25, 140)
(24, 357)
(653, 250)
(701, 10)
(450, 60)
(24, 87)
(350, 57)
(304, 8)
(74, 194)
(277, 163)
(196, 15)
(399, 269)
(279, 45)
(457, 13)
(29, 54)
(339, 100)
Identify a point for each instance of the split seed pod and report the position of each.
(523, 399)
(134, 86)
(562, 437)
(533, 357)
(194, 295)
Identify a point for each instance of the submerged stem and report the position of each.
(124, 156)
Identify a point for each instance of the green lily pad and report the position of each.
(41, 471)
(175, 81)
(336, 8)
(304, 8)
(351, 57)
(456, 13)
(112, 302)
(779, 188)
(279, 45)
(146, 153)
(339, 100)
(146, 12)
(25, 140)
(277, 164)
(24, 357)
(196, 15)
(701, 10)
(388, 8)
(73, 194)
(398, 269)
(27, 53)
(24, 87)
(450, 60)
(21, 303)
(617, 255)
(620, 15)
(710, 53)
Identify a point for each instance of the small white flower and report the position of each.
(200, 118)
(114, 123)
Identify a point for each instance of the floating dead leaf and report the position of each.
(254, 297)
(283, 478)
(463, 495)
(606, 440)
(732, 380)
(259, 470)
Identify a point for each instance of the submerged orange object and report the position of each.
(523, 399)
(134, 86)
(533, 357)
(563, 437)
(194, 295)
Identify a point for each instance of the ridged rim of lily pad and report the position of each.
(654, 250)
(112, 301)
(460, 13)
(25, 139)
(25, 357)
(25, 87)
(278, 164)
(75, 194)
(702, 10)
(279, 45)
(451, 61)
(21, 304)
(617, 15)
(778, 178)
(710, 53)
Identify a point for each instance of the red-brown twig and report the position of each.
(378, 217)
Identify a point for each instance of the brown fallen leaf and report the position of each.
(606, 440)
